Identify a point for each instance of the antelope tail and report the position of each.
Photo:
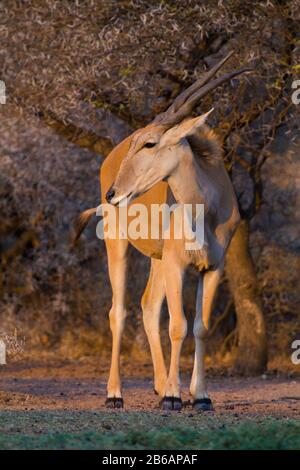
(81, 222)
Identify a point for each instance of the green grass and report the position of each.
(96, 430)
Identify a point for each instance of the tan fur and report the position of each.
(204, 149)
(198, 176)
(171, 159)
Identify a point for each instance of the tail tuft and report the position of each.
(82, 222)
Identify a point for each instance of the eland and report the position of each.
(176, 158)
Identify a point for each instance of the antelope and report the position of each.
(175, 157)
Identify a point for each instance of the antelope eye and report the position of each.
(149, 145)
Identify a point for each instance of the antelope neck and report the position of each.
(188, 182)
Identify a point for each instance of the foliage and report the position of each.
(86, 430)
(82, 75)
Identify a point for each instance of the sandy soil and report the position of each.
(81, 386)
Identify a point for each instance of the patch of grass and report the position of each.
(96, 430)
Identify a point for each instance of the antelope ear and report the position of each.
(189, 126)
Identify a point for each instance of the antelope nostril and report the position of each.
(110, 194)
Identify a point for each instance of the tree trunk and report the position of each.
(251, 355)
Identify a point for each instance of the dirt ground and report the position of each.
(82, 386)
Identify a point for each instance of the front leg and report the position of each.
(151, 304)
(207, 287)
(116, 253)
(174, 274)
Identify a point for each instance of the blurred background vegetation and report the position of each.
(80, 76)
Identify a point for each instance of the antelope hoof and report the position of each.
(114, 402)
(171, 403)
(203, 404)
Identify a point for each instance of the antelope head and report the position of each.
(154, 151)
